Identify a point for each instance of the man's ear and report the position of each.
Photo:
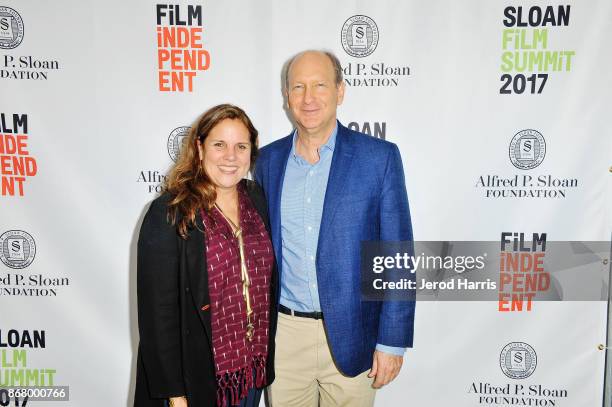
(287, 98)
(341, 89)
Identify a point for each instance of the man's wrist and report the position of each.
(392, 350)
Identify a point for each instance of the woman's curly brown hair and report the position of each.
(188, 184)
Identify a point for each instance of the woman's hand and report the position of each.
(178, 402)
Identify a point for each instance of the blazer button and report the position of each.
(187, 289)
(187, 331)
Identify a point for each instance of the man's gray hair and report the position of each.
(332, 57)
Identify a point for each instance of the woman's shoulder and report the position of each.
(258, 199)
(156, 217)
(252, 186)
(161, 203)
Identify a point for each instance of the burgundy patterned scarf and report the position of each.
(240, 364)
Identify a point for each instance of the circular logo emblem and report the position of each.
(17, 249)
(527, 149)
(359, 36)
(518, 360)
(11, 28)
(176, 140)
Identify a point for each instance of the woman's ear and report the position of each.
(200, 150)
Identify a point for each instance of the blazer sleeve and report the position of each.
(396, 324)
(158, 303)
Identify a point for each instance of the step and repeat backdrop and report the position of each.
(499, 109)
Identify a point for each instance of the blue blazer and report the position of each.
(366, 199)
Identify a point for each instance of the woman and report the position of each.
(206, 276)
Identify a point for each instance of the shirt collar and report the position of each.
(329, 146)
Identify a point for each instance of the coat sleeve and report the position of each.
(396, 326)
(158, 303)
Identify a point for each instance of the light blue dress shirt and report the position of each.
(302, 200)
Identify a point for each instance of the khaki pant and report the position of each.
(306, 375)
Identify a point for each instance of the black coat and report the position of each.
(175, 356)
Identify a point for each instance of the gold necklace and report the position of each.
(244, 273)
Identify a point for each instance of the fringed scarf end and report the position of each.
(238, 383)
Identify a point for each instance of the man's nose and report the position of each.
(308, 94)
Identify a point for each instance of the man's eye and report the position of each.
(242, 147)
(218, 144)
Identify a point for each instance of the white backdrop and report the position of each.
(98, 127)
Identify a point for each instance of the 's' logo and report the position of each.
(176, 140)
(17, 249)
(527, 149)
(359, 36)
(11, 28)
(518, 360)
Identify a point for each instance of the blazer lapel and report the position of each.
(195, 258)
(277, 168)
(338, 174)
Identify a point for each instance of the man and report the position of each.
(329, 188)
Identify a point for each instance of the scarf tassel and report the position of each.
(221, 392)
(238, 383)
(260, 371)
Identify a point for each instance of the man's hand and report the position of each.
(178, 402)
(385, 368)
